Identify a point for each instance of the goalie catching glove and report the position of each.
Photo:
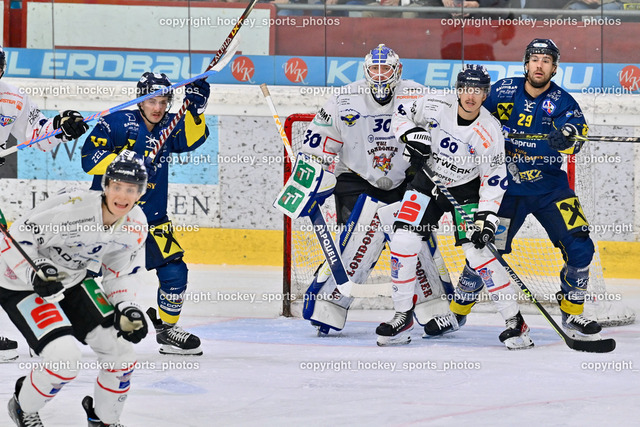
(71, 125)
(417, 145)
(47, 282)
(484, 230)
(130, 321)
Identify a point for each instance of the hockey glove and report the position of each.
(130, 322)
(71, 125)
(559, 139)
(484, 230)
(47, 282)
(197, 93)
(417, 145)
(151, 167)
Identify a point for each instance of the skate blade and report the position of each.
(400, 339)
(8, 355)
(519, 343)
(582, 337)
(169, 349)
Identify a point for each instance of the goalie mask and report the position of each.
(128, 167)
(3, 62)
(382, 71)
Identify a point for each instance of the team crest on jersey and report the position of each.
(350, 119)
(504, 110)
(6, 120)
(548, 106)
(382, 162)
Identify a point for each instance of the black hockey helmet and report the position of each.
(128, 166)
(151, 82)
(474, 75)
(3, 62)
(543, 47)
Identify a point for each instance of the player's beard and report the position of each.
(540, 84)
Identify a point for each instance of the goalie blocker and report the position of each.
(361, 243)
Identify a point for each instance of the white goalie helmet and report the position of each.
(382, 70)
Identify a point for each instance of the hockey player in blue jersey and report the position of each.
(537, 184)
(139, 130)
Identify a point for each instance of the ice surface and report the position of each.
(259, 369)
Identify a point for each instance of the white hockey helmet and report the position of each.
(382, 84)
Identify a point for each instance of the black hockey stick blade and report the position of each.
(599, 346)
(594, 138)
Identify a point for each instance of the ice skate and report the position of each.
(8, 350)
(174, 339)
(397, 330)
(21, 418)
(444, 324)
(581, 328)
(516, 336)
(92, 418)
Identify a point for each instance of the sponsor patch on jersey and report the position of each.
(6, 120)
(572, 213)
(350, 119)
(532, 175)
(548, 106)
(322, 118)
(504, 110)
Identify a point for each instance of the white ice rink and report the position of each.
(258, 370)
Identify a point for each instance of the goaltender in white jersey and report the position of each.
(354, 128)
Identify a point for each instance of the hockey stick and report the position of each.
(27, 258)
(329, 249)
(598, 346)
(602, 138)
(225, 45)
(122, 106)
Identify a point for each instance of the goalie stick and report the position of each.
(601, 138)
(599, 346)
(225, 45)
(329, 249)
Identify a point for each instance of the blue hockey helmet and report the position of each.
(3, 62)
(474, 75)
(543, 47)
(382, 86)
(151, 82)
(128, 167)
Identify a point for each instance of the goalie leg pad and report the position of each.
(495, 278)
(361, 243)
(433, 286)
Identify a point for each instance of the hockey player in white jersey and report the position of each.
(355, 127)
(463, 145)
(67, 237)
(20, 117)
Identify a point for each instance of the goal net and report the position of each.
(536, 261)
